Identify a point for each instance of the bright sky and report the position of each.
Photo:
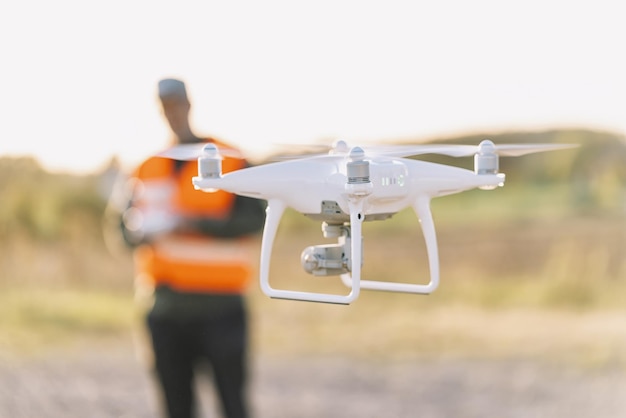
(79, 78)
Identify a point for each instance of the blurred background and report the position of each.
(530, 317)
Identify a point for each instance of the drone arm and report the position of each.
(422, 209)
(275, 210)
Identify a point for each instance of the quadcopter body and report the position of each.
(346, 187)
(320, 187)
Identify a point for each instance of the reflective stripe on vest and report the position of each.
(184, 249)
(196, 264)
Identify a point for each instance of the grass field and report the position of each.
(517, 279)
(535, 267)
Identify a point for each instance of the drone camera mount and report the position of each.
(329, 259)
(325, 260)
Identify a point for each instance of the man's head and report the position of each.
(176, 106)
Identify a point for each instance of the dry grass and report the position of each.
(404, 327)
(34, 320)
(518, 278)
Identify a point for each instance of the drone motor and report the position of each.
(210, 162)
(358, 174)
(486, 161)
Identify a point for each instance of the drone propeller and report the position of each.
(503, 150)
(393, 150)
(190, 152)
(313, 150)
(342, 148)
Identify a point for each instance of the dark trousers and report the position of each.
(179, 345)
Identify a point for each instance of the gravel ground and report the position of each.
(108, 380)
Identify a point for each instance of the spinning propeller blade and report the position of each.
(516, 150)
(190, 152)
(313, 150)
(342, 148)
(504, 150)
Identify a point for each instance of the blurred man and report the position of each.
(190, 250)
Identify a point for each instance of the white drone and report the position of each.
(345, 187)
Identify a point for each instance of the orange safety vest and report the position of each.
(189, 262)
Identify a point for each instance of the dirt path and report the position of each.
(108, 380)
